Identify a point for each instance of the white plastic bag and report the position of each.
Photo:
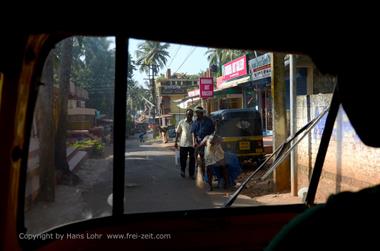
(176, 157)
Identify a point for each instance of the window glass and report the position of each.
(160, 176)
(69, 173)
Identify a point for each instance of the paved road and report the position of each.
(152, 183)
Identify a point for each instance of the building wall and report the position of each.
(323, 83)
(80, 121)
(349, 165)
(173, 106)
(167, 98)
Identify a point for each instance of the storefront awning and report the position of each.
(188, 102)
(233, 83)
(164, 116)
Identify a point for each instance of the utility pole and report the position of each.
(282, 173)
(293, 122)
(151, 74)
(152, 71)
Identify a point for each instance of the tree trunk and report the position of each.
(65, 176)
(44, 114)
(280, 128)
(154, 99)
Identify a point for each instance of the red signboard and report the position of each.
(219, 82)
(206, 87)
(235, 68)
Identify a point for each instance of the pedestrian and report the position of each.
(186, 148)
(201, 127)
(214, 158)
(164, 133)
(141, 136)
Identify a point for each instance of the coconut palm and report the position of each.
(152, 55)
(219, 57)
(214, 56)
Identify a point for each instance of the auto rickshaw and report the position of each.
(241, 131)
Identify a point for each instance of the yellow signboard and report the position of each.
(244, 145)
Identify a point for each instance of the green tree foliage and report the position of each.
(94, 69)
(219, 57)
(152, 55)
(65, 176)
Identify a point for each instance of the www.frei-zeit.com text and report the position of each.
(95, 236)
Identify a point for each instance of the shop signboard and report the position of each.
(172, 89)
(219, 82)
(260, 67)
(235, 68)
(206, 87)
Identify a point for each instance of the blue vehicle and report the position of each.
(171, 131)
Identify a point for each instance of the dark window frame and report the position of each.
(120, 98)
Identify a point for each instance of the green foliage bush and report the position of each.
(96, 147)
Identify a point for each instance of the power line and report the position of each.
(191, 52)
(175, 54)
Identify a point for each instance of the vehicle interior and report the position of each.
(346, 220)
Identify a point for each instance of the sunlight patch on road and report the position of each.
(236, 204)
(87, 215)
(241, 201)
(110, 200)
(145, 145)
(135, 158)
(130, 185)
(149, 153)
(109, 157)
(199, 181)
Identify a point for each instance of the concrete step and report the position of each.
(70, 152)
(77, 159)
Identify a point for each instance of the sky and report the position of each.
(183, 59)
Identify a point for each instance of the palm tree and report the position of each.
(219, 57)
(67, 177)
(214, 56)
(152, 55)
(131, 67)
(229, 55)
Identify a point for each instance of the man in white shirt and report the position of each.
(186, 143)
(214, 158)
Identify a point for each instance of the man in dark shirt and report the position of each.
(200, 128)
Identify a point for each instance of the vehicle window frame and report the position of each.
(120, 98)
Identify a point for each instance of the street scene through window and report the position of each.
(199, 122)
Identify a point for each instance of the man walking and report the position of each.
(202, 127)
(186, 148)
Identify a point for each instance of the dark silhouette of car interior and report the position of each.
(347, 221)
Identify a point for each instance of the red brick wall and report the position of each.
(349, 165)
